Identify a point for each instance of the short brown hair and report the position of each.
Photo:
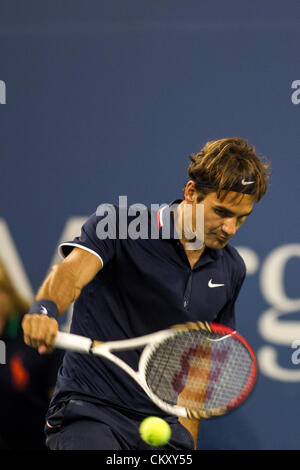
(222, 164)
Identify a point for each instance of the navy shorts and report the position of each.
(80, 425)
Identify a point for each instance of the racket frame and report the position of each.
(151, 341)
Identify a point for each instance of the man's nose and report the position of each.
(229, 227)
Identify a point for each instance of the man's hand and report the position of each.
(40, 332)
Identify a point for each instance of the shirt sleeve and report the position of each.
(98, 234)
(226, 316)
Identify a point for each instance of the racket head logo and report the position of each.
(223, 338)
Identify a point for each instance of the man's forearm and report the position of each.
(60, 286)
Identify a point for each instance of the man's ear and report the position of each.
(190, 193)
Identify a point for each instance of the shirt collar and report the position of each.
(165, 218)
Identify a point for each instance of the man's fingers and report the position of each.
(26, 325)
(39, 331)
(42, 349)
(51, 335)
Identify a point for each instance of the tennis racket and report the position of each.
(193, 370)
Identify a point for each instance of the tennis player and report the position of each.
(124, 287)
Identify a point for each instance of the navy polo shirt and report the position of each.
(146, 284)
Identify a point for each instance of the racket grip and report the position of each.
(72, 342)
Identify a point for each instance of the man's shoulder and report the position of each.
(232, 255)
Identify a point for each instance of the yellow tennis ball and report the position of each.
(155, 431)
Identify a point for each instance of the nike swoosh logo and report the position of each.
(210, 284)
(247, 182)
(43, 310)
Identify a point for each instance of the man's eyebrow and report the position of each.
(230, 213)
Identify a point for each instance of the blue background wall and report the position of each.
(109, 98)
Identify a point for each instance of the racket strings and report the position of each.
(163, 365)
(193, 370)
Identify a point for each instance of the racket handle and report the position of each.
(72, 342)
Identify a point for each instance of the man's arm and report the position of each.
(62, 286)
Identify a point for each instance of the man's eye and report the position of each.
(220, 212)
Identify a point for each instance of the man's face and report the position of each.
(222, 219)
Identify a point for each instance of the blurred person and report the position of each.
(26, 378)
